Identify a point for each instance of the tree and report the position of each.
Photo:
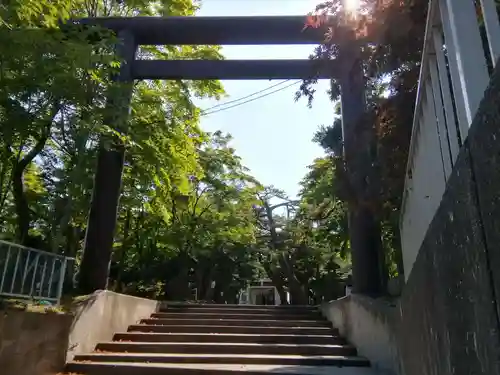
(304, 249)
(373, 181)
(97, 254)
(54, 85)
(41, 77)
(212, 220)
(276, 260)
(191, 217)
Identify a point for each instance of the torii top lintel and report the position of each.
(245, 30)
(251, 30)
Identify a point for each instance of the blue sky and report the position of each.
(272, 135)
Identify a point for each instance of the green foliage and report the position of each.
(186, 197)
(35, 12)
(397, 30)
(304, 248)
(190, 216)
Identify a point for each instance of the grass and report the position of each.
(30, 306)
(65, 307)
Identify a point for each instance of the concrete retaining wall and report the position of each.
(447, 320)
(33, 343)
(369, 325)
(101, 315)
(40, 343)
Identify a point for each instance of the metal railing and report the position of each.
(453, 76)
(31, 274)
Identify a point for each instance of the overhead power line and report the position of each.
(209, 111)
(246, 96)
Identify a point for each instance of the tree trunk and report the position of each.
(298, 294)
(282, 294)
(123, 250)
(61, 226)
(283, 263)
(177, 285)
(279, 284)
(199, 277)
(218, 294)
(278, 281)
(21, 204)
(208, 290)
(5, 179)
(20, 200)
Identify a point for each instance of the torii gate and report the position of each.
(262, 30)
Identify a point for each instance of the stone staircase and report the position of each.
(187, 339)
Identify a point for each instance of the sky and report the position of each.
(272, 135)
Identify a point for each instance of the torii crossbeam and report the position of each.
(219, 31)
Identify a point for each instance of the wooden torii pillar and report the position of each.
(136, 31)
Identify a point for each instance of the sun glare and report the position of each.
(351, 6)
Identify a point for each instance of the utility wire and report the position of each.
(208, 112)
(246, 96)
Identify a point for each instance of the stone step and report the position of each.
(244, 315)
(132, 368)
(233, 329)
(225, 348)
(167, 304)
(233, 309)
(239, 309)
(194, 339)
(236, 359)
(242, 338)
(238, 322)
